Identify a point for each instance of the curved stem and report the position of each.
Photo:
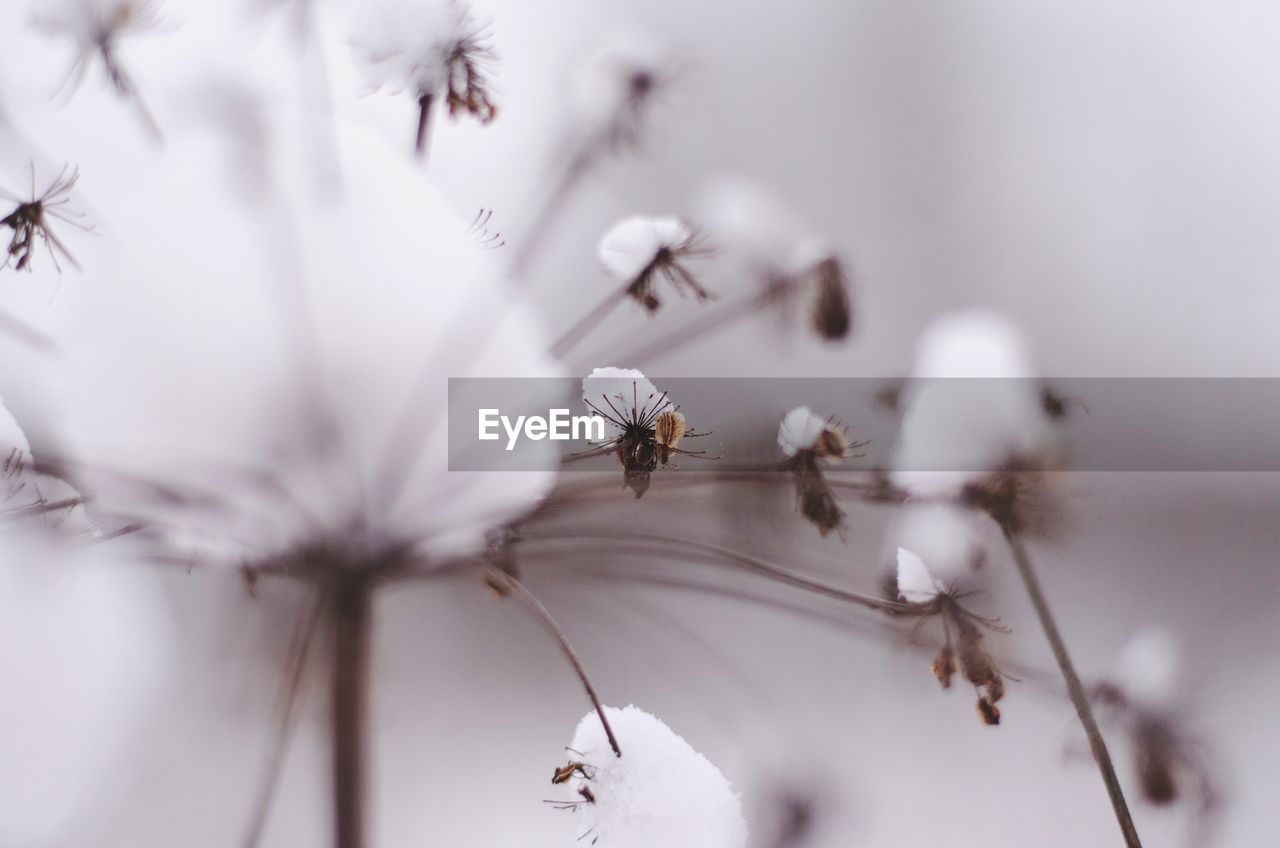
(531, 603)
(1075, 689)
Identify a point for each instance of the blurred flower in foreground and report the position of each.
(82, 649)
(962, 647)
(432, 48)
(645, 424)
(1144, 696)
(661, 792)
(640, 250)
(275, 380)
(806, 438)
(786, 255)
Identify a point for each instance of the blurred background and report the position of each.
(1106, 174)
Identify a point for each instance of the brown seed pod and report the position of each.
(668, 430)
(832, 313)
(989, 711)
(944, 665)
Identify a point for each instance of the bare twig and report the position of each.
(1075, 690)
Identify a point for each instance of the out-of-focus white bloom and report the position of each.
(280, 371)
(633, 244)
(916, 585)
(760, 228)
(88, 21)
(977, 405)
(1149, 669)
(613, 87)
(660, 792)
(620, 395)
(800, 430)
(82, 650)
(943, 534)
(403, 45)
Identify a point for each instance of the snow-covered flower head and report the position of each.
(659, 792)
(276, 377)
(916, 584)
(646, 425)
(641, 249)
(976, 408)
(944, 534)
(1148, 670)
(806, 438)
(790, 259)
(433, 49)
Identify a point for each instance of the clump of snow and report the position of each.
(633, 243)
(83, 641)
(800, 430)
(916, 585)
(403, 44)
(1149, 669)
(761, 229)
(975, 408)
(621, 393)
(943, 534)
(660, 793)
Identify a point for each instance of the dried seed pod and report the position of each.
(832, 313)
(563, 773)
(833, 443)
(668, 430)
(989, 711)
(944, 665)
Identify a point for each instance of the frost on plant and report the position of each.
(661, 792)
(641, 251)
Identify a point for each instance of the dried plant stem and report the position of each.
(531, 603)
(579, 330)
(424, 125)
(288, 712)
(1075, 690)
(553, 205)
(350, 614)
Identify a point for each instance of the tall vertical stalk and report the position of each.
(1075, 690)
(351, 620)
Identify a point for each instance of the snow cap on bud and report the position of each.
(628, 391)
(660, 792)
(976, 409)
(942, 534)
(641, 249)
(915, 584)
(800, 430)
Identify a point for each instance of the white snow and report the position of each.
(401, 44)
(1149, 668)
(916, 585)
(631, 245)
(976, 407)
(800, 430)
(943, 534)
(660, 793)
(627, 389)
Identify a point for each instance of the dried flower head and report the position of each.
(613, 91)
(832, 312)
(433, 50)
(660, 792)
(647, 426)
(806, 438)
(642, 249)
(962, 648)
(95, 27)
(30, 220)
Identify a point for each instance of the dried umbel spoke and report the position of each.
(962, 649)
(647, 425)
(31, 221)
(806, 439)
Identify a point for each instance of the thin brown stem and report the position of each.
(1075, 689)
(531, 603)
(351, 620)
(424, 125)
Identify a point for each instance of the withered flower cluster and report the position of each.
(808, 441)
(30, 221)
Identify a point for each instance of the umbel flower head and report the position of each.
(33, 219)
(962, 648)
(660, 792)
(807, 438)
(432, 48)
(285, 387)
(642, 250)
(645, 424)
